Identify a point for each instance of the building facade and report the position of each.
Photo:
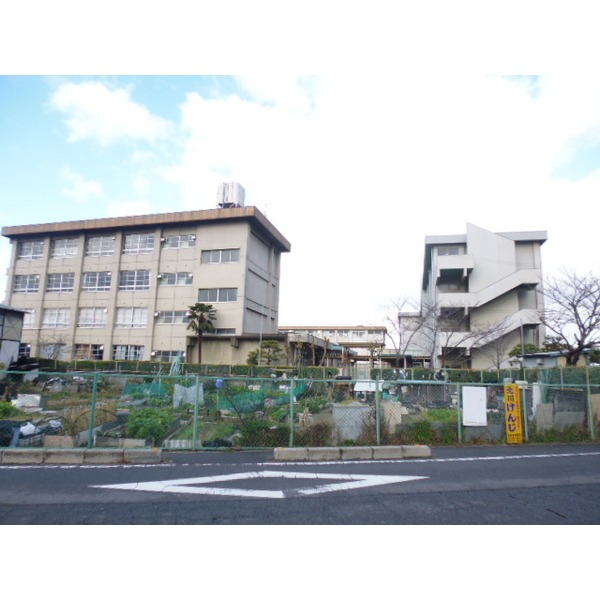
(363, 343)
(481, 296)
(120, 288)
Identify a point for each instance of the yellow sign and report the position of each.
(514, 414)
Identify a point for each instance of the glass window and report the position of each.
(124, 352)
(64, 248)
(99, 281)
(221, 256)
(92, 317)
(100, 245)
(179, 241)
(138, 243)
(132, 317)
(60, 282)
(168, 355)
(175, 279)
(88, 352)
(134, 280)
(56, 318)
(172, 317)
(24, 350)
(30, 250)
(29, 318)
(26, 284)
(217, 295)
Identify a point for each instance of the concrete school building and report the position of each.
(119, 288)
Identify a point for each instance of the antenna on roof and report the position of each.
(230, 195)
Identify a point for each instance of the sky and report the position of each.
(353, 165)
(358, 127)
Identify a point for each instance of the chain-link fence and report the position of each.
(188, 412)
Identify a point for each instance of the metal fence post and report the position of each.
(196, 402)
(377, 415)
(90, 442)
(591, 423)
(459, 416)
(292, 394)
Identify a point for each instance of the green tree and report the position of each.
(270, 352)
(201, 320)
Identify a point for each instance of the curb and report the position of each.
(351, 453)
(91, 456)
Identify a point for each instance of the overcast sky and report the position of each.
(354, 167)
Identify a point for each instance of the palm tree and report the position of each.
(201, 320)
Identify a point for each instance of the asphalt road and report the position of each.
(553, 485)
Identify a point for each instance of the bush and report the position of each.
(149, 423)
(257, 433)
(7, 410)
(320, 434)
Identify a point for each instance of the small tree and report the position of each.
(270, 352)
(201, 320)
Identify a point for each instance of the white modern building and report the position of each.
(481, 296)
(120, 288)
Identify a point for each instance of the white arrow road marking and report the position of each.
(193, 485)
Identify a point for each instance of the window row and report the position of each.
(133, 243)
(97, 318)
(101, 281)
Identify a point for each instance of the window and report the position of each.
(172, 317)
(217, 295)
(221, 256)
(128, 352)
(448, 250)
(175, 279)
(24, 350)
(99, 281)
(88, 352)
(100, 245)
(60, 282)
(26, 284)
(132, 317)
(29, 318)
(134, 280)
(92, 317)
(55, 318)
(30, 250)
(167, 355)
(138, 243)
(225, 331)
(179, 241)
(64, 248)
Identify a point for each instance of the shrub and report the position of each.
(7, 410)
(257, 433)
(319, 434)
(149, 423)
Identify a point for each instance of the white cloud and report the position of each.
(80, 189)
(356, 171)
(105, 115)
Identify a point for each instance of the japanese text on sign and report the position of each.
(514, 414)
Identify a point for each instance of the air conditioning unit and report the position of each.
(159, 276)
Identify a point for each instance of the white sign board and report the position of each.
(474, 406)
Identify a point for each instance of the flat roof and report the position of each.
(245, 213)
(338, 327)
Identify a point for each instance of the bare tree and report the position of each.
(572, 313)
(404, 322)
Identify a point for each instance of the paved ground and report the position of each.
(478, 485)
